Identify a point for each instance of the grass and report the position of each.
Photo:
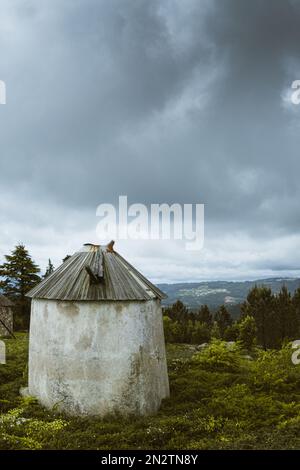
(219, 400)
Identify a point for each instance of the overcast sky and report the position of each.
(176, 101)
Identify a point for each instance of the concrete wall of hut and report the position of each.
(98, 357)
(6, 315)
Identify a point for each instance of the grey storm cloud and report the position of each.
(164, 101)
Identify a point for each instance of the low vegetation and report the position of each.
(222, 397)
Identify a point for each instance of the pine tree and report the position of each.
(231, 332)
(261, 306)
(20, 274)
(215, 331)
(223, 319)
(201, 333)
(247, 332)
(205, 316)
(178, 311)
(177, 333)
(188, 331)
(286, 315)
(49, 269)
(296, 307)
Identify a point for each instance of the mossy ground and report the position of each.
(219, 400)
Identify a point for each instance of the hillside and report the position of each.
(215, 293)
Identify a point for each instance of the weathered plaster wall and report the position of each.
(98, 357)
(6, 315)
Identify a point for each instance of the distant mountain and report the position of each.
(215, 293)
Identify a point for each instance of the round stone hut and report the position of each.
(96, 337)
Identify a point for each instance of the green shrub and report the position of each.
(219, 356)
(274, 371)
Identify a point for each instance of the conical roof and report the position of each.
(96, 273)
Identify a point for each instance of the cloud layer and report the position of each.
(163, 101)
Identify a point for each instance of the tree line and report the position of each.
(182, 325)
(266, 319)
